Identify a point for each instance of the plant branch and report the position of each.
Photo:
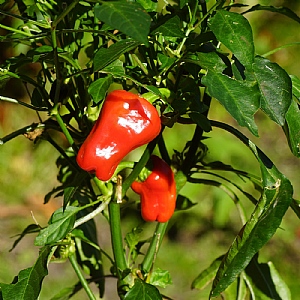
(116, 237)
(82, 279)
(154, 247)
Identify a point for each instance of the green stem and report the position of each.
(16, 30)
(64, 13)
(83, 281)
(140, 64)
(62, 125)
(116, 237)
(280, 48)
(23, 103)
(154, 247)
(102, 187)
(21, 131)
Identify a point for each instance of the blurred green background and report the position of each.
(197, 236)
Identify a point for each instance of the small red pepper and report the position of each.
(126, 122)
(158, 192)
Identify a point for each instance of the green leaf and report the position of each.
(276, 89)
(165, 61)
(239, 98)
(200, 120)
(115, 69)
(292, 128)
(281, 10)
(143, 291)
(280, 286)
(170, 28)
(99, 88)
(265, 281)
(150, 6)
(263, 223)
(234, 31)
(160, 278)
(69, 193)
(296, 86)
(27, 285)
(32, 228)
(207, 275)
(105, 56)
(211, 61)
(60, 223)
(132, 238)
(128, 17)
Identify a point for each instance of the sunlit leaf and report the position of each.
(234, 31)
(143, 291)
(160, 278)
(128, 17)
(239, 98)
(292, 130)
(105, 56)
(170, 28)
(296, 87)
(99, 87)
(275, 87)
(207, 275)
(264, 280)
(60, 223)
(27, 285)
(263, 223)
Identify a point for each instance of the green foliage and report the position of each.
(178, 56)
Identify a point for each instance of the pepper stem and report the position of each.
(154, 247)
(83, 281)
(116, 237)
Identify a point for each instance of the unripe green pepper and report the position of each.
(126, 122)
(158, 192)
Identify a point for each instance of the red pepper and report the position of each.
(126, 122)
(158, 192)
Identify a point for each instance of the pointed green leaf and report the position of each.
(293, 128)
(239, 98)
(170, 28)
(265, 281)
(280, 286)
(143, 291)
(27, 285)
(160, 278)
(207, 275)
(234, 31)
(128, 17)
(296, 87)
(99, 87)
(105, 56)
(115, 69)
(32, 228)
(263, 223)
(211, 61)
(275, 87)
(60, 223)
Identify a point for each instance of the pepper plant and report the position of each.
(177, 56)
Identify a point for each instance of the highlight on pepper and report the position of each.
(157, 192)
(126, 122)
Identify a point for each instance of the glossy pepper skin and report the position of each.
(126, 122)
(157, 192)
